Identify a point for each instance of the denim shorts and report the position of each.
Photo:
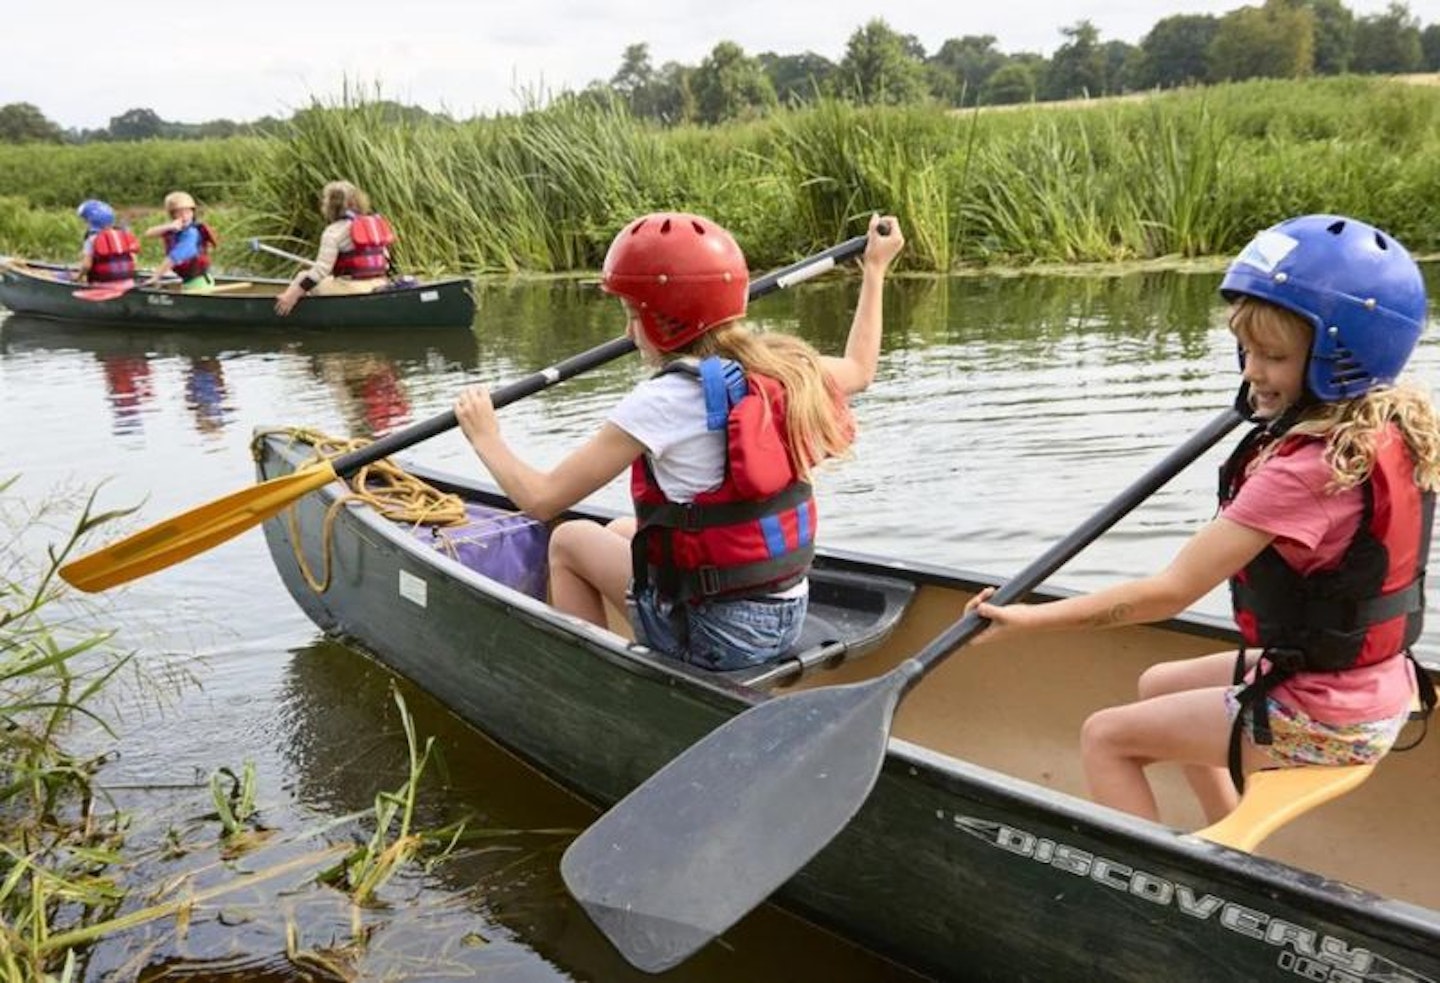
(721, 634)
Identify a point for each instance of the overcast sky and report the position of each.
(83, 63)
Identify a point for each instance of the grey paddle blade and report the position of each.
(713, 833)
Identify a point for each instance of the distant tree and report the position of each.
(1119, 56)
(798, 78)
(882, 67)
(961, 68)
(1388, 42)
(1273, 41)
(23, 122)
(634, 82)
(674, 94)
(729, 84)
(1430, 48)
(1173, 53)
(1334, 36)
(1013, 82)
(1078, 66)
(136, 124)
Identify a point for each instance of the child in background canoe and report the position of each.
(187, 245)
(720, 443)
(1323, 533)
(107, 255)
(354, 255)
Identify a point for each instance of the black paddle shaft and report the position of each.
(347, 464)
(1062, 552)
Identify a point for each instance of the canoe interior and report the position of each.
(244, 286)
(1017, 708)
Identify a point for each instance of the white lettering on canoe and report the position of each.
(1303, 952)
(426, 296)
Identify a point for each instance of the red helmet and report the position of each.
(683, 273)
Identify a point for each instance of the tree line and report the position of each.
(880, 66)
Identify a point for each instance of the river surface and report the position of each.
(1006, 411)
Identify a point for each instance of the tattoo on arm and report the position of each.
(1118, 614)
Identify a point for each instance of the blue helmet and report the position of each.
(1354, 284)
(96, 214)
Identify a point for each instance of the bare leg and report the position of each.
(589, 564)
(1212, 785)
(1189, 727)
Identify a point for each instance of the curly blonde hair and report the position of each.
(339, 197)
(818, 423)
(1351, 428)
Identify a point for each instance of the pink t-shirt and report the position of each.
(1288, 496)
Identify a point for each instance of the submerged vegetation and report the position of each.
(1177, 174)
(78, 870)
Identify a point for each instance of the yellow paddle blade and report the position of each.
(181, 537)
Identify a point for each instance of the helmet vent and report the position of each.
(1381, 241)
(1335, 228)
(665, 227)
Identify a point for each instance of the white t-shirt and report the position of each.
(666, 413)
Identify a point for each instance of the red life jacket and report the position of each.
(198, 264)
(1367, 610)
(753, 534)
(112, 256)
(371, 237)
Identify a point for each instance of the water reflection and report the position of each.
(206, 395)
(128, 388)
(368, 390)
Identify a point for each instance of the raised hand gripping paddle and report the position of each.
(183, 536)
(713, 833)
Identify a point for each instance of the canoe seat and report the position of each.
(849, 614)
(1275, 796)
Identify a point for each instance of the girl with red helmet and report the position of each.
(1323, 533)
(720, 443)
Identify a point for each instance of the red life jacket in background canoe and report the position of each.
(1369, 609)
(112, 255)
(371, 236)
(199, 264)
(755, 532)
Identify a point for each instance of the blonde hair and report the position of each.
(339, 197)
(1351, 428)
(818, 424)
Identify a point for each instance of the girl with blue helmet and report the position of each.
(107, 253)
(1323, 533)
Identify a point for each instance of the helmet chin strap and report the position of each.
(1279, 425)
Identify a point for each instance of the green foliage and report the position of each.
(22, 122)
(1186, 172)
(129, 174)
(1276, 40)
(882, 67)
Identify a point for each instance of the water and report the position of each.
(1006, 411)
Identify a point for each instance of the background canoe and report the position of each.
(244, 302)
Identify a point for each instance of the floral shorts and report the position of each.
(1298, 740)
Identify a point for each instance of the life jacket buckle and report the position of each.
(709, 581)
(1287, 660)
(689, 517)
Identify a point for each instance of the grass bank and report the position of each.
(1176, 175)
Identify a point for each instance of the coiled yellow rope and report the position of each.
(385, 486)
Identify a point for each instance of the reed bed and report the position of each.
(1178, 174)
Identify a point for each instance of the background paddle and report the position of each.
(106, 291)
(713, 833)
(197, 530)
(256, 246)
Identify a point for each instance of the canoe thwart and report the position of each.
(1275, 796)
(850, 613)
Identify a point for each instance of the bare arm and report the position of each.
(544, 494)
(855, 371)
(1210, 556)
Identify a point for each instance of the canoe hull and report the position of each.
(952, 869)
(33, 290)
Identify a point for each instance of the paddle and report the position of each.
(256, 246)
(106, 291)
(714, 832)
(195, 531)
